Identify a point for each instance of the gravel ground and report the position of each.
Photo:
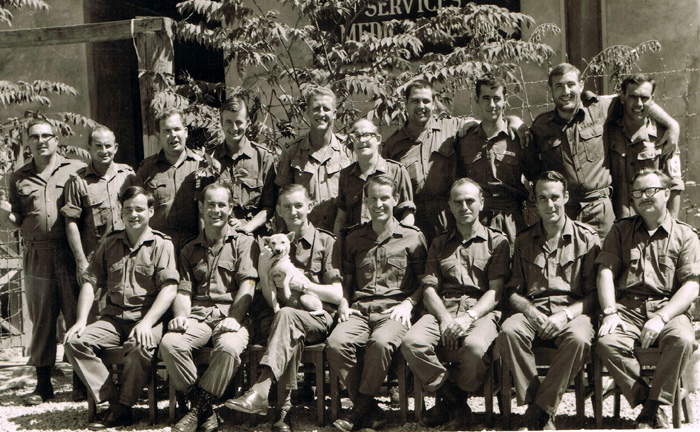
(61, 414)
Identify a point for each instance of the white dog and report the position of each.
(274, 260)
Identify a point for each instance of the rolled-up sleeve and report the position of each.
(184, 287)
(331, 264)
(499, 264)
(166, 265)
(72, 193)
(433, 276)
(689, 259)
(611, 255)
(248, 255)
(516, 283)
(403, 182)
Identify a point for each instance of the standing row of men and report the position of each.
(381, 265)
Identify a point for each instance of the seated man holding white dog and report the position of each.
(313, 252)
(217, 286)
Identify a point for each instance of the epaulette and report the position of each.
(260, 146)
(148, 159)
(527, 228)
(680, 222)
(355, 227)
(161, 234)
(391, 161)
(79, 173)
(115, 232)
(413, 227)
(586, 227)
(545, 116)
(326, 232)
(123, 167)
(291, 144)
(496, 230)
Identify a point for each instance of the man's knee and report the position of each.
(680, 341)
(136, 352)
(171, 343)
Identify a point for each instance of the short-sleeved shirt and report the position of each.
(173, 189)
(38, 200)
(93, 200)
(352, 184)
(561, 276)
(577, 148)
(249, 173)
(314, 252)
(130, 277)
(319, 172)
(656, 264)
(211, 275)
(459, 267)
(497, 164)
(389, 266)
(429, 159)
(634, 150)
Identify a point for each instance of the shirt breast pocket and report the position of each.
(227, 270)
(99, 211)
(592, 139)
(396, 269)
(448, 269)
(367, 270)
(115, 274)
(161, 191)
(143, 278)
(668, 269)
(29, 197)
(253, 189)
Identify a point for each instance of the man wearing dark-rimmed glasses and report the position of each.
(36, 195)
(647, 280)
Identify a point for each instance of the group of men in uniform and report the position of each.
(420, 244)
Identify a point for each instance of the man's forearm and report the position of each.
(85, 300)
(681, 300)
(242, 301)
(433, 303)
(521, 304)
(329, 293)
(76, 245)
(182, 305)
(162, 303)
(662, 117)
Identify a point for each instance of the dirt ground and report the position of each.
(61, 414)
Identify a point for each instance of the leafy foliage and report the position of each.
(619, 60)
(38, 92)
(279, 62)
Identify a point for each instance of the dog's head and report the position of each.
(279, 244)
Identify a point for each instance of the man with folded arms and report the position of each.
(211, 307)
(464, 277)
(647, 281)
(551, 293)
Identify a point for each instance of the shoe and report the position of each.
(356, 418)
(435, 416)
(461, 420)
(282, 421)
(121, 416)
(251, 402)
(211, 422)
(345, 423)
(44, 387)
(537, 419)
(377, 415)
(305, 395)
(652, 417)
(394, 396)
(201, 409)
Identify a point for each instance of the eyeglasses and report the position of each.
(648, 192)
(363, 136)
(42, 137)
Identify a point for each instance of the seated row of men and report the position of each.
(386, 271)
(592, 141)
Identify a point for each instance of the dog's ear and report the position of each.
(290, 236)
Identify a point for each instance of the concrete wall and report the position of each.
(63, 63)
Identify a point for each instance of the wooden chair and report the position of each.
(113, 358)
(450, 357)
(544, 357)
(402, 370)
(648, 358)
(313, 356)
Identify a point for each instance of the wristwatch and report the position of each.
(305, 288)
(472, 314)
(569, 315)
(609, 310)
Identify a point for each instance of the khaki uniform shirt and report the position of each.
(173, 188)
(129, 278)
(319, 172)
(577, 149)
(461, 268)
(351, 196)
(37, 201)
(389, 266)
(554, 279)
(211, 276)
(497, 165)
(250, 174)
(429, 160)
(93, 200)
(640, 150)
(652, 265)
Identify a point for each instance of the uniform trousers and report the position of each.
(224, 360)
(370, 340)
(50, 288)
(515, 345)
(292, 329)
(598, 213)
(419, 345)
(616, 351)
(109, 332)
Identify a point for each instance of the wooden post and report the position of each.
(155, 53)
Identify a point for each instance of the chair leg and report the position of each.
(417, 400)
(488, 397)
(403, 397)
(172, 402)
(616, 405)
(506, 385)
(91, 407)
(152, 403)
(580, 386)
(677, 419)
(685, 402)
(320, 391)
(597, 392)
